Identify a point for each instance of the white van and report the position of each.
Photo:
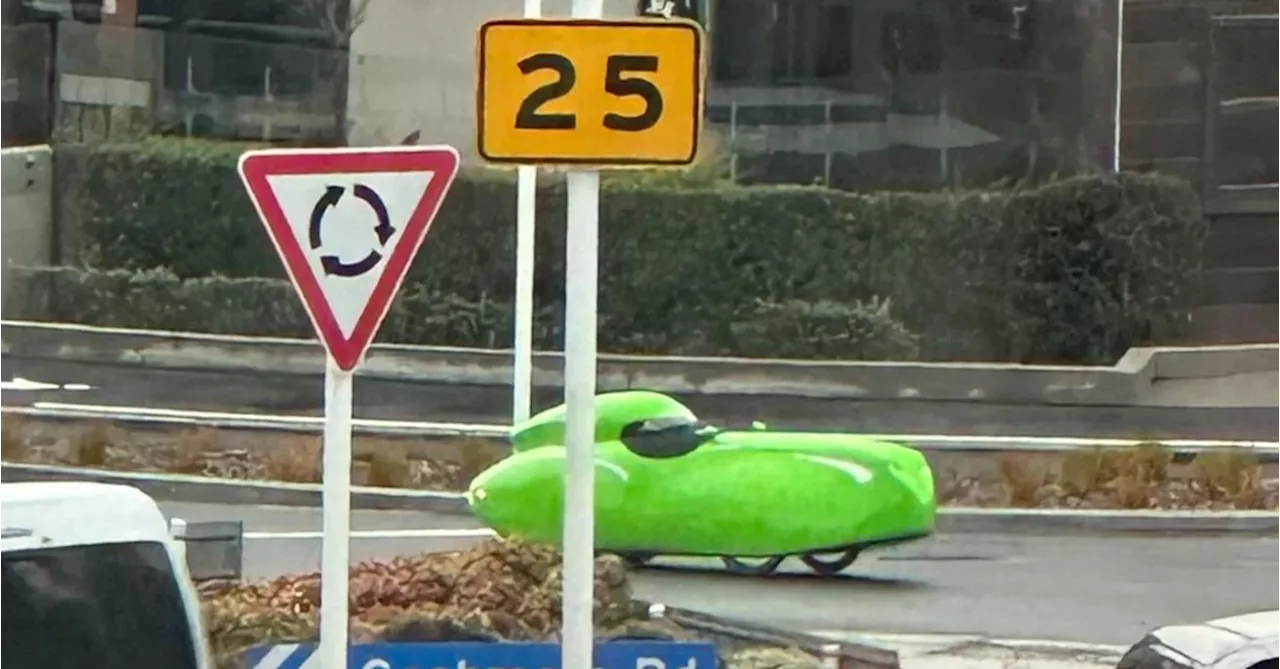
(93, 578)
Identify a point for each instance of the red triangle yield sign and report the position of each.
(347, 224)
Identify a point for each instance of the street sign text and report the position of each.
(590, 92)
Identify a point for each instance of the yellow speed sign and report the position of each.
(589, 92)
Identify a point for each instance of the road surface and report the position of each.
(379, 398)
(1095, 590)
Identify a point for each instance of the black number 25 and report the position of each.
(615, 83)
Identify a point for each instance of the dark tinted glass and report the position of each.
(107, 606)
(666, 437)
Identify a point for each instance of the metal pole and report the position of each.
(526, 214)
(336, 510)
(581, 269)
(1115, 148)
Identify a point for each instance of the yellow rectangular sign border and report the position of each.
(699, 37)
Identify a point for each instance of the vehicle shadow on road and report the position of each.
(786, 575)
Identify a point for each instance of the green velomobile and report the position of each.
(666, 485)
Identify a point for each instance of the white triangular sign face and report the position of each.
(347, 224)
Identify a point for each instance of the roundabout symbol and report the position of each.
(333, 265)
(320, 232)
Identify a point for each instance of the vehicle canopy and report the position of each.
(92, 578)
(615, 411)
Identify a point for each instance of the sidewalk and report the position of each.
(924, 651)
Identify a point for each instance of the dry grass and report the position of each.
(1132, 478)
(474, 456)
(389, 467)
(294, 458)
(192, 452)
(1232, 476)
(91, 446)
(13, 447)
(1023, 480)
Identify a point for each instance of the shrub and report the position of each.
(161, 203)
(1077, 270)
(157, 299)
(794, 329)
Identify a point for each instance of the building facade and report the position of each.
(858, 94)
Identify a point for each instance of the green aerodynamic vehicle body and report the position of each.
(666, 485)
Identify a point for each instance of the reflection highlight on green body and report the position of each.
(666, 485)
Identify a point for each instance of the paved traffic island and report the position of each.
(498, 590)
(1143, 477)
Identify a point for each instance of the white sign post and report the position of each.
(632, 97)
(347, 224)
(582, 248)
(1119, 87)
(526, 224)
(335, 506)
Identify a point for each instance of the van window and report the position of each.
(107, 606)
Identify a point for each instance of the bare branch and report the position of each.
(328, 15)
(356, 15)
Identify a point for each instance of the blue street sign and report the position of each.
(610, 655)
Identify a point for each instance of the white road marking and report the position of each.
(276, 656)
(900, 639)
(27, 385)
(374, 534)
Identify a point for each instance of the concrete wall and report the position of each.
(26, 220)
(1211, 376)
(1211, 393)
(413, 68)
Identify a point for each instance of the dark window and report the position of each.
(107, 606)
(808, 40)
(1247, 106)
(162, 8)
(911, 44)
(235, 11)
(789, 40)
(28, 79)
(668, 437)
(730, 34)
(835, 42)
(812, 40)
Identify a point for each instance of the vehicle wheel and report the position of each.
(637, 559)
(736, 566)
(830, 567)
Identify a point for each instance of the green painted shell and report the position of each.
(614, 411)
(675, 489)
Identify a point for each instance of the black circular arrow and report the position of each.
(331, 263)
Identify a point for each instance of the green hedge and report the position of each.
(1076, 270)
(158, 299)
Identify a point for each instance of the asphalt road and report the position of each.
(379, 398)
(1097, 590)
